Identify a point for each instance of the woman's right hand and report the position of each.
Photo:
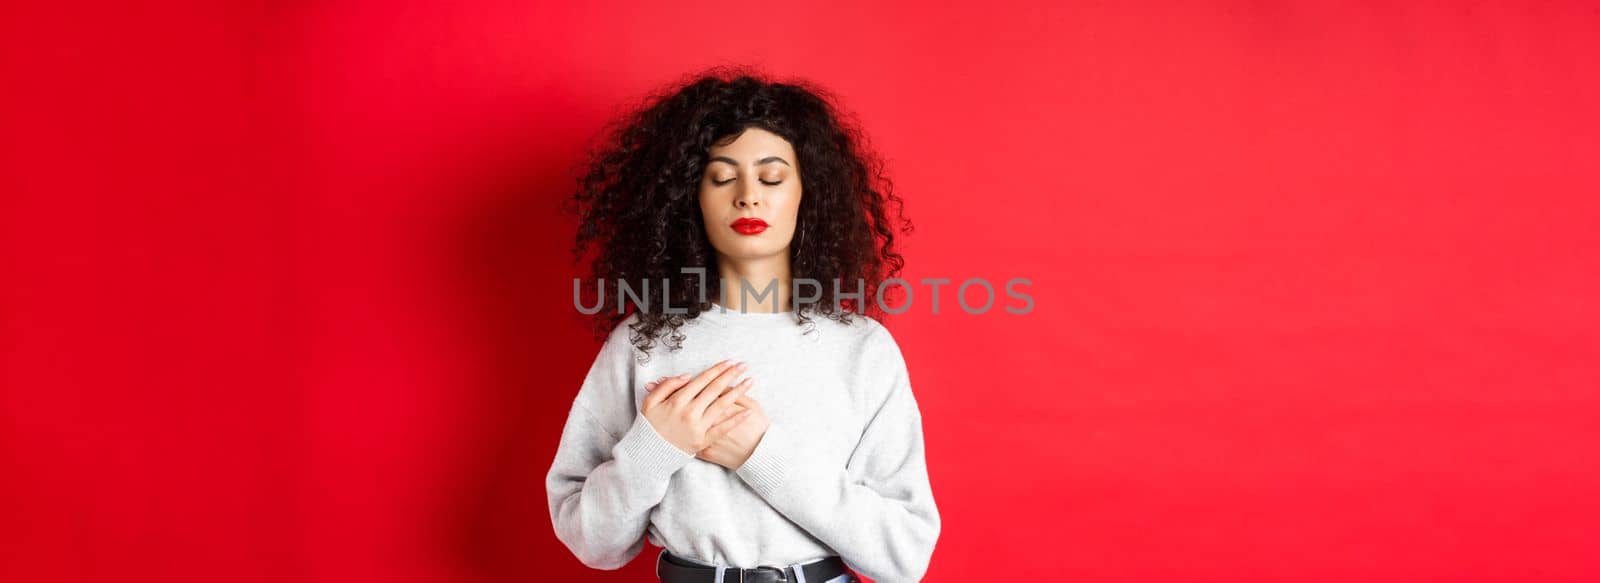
(693, 413)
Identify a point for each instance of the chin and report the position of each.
(752, 250)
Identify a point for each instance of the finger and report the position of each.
(715, 388)
(748, 401)
(724, 403)
(652, 385)
(722, 428)
(728, 403)
(664, 389)
(699, 382)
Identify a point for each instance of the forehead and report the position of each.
(754, 144)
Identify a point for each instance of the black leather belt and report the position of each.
(672, 569)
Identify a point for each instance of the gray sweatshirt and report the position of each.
(840, 471)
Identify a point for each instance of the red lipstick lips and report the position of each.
(749, 226)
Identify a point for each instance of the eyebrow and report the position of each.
(766, 160)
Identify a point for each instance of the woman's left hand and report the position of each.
(736, 446)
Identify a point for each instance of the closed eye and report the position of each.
(733, 179)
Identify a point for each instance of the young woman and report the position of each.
(754, 428)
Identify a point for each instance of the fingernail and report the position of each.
(743, 366)
(732, 362)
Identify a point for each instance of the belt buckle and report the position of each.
(783, 577)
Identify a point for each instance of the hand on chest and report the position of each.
(798, 388)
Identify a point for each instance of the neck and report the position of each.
(759, 276)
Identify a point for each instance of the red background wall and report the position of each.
(285, 295)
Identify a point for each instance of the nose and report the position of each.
(749, 195)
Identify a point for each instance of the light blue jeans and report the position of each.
(800, 577)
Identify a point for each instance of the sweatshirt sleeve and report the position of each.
(878, 512)
(602, 484)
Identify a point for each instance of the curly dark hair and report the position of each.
(638, 199)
